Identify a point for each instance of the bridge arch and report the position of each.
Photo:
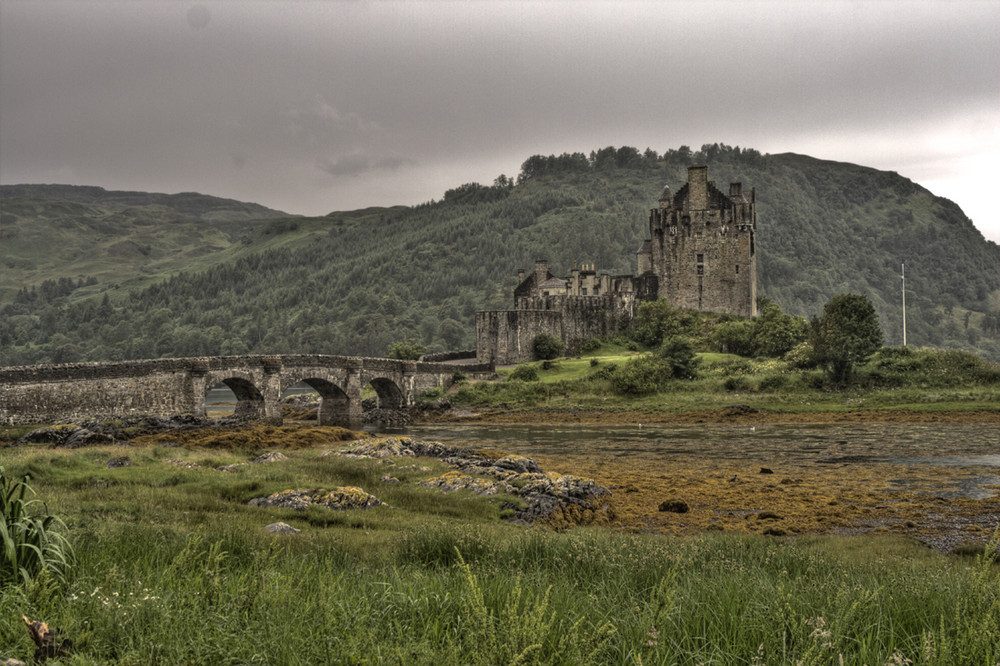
(390, 396)
(249, 399)
(334, 403)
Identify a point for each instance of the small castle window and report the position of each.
(701, 258)
(545, 293)
(737, 268)
(701, 269)
(583, 291)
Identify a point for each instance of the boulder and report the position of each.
(282, 528)
(119, 461)
(55, 435)
(86, 437)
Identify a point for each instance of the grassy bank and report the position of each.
(173, 566)
(727, 386)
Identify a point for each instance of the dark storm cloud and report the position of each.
(315, 106)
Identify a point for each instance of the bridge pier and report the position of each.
(271, 390)
(355, 412)
(195, 388)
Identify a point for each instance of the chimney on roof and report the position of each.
(698, 187)
(735, 189)
(541, 271)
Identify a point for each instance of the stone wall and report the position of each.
(504, 337)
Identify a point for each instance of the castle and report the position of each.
(700, 255)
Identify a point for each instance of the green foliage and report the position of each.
(524, 373)
(546, 347)
(30, 541)
(656, 321)
(678, 353)
(735, 337)
(846, 334)
(801, 356)
(589, 345)
(409, 350)
(776, 333)
(642, 376)
(771, 333)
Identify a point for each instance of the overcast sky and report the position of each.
(317, 106)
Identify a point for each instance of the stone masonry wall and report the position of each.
(504, 337)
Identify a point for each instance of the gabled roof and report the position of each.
(553, 282)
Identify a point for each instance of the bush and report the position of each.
(546, 347)
(641, 376)
(458, 376)
(408, 350)
(590, 345)
(739, 367)
(734, 337)
(607, 372)
(801, 356)
(28, 543)
(594, 362)
(524, 373)
(678, 353)
(773, 382)
(736, 384)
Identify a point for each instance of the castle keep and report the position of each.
(700, 255)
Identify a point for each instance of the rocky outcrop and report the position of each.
(338, 499)
(547, 497)
(93, 432)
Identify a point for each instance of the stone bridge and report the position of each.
(174, 386)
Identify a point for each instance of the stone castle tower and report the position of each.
(700, 255)
(701, 252)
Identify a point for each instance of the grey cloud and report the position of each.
(357, 164)
(153, 96)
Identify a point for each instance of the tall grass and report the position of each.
(30, 541)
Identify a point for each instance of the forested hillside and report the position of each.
(353, 282)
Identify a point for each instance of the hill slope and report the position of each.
(103, 237)
(352, 282)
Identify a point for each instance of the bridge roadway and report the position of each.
(174, 386)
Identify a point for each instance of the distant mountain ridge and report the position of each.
(352, 282)
(189, 204)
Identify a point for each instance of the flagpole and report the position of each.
(902, 286)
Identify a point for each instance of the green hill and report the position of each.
(101, 238)
(352, 282)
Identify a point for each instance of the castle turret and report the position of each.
(666, 198)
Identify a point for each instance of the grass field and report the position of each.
(172, 566)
